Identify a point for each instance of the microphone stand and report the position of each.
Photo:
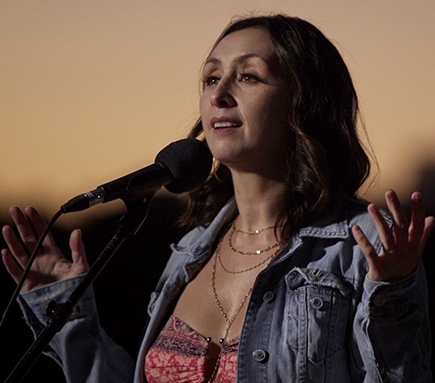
(128, 225)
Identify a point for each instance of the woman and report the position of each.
(287, 276)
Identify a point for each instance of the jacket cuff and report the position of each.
(30, 302)
(384, 299)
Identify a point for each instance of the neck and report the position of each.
(259, 200)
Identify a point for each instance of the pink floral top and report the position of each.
(180, 354)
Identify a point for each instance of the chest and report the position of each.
(214, 303)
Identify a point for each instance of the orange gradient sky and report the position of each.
(92, 90)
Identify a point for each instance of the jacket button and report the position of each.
(316, 303)
(380, 300)
(259, 355)
(268, 297)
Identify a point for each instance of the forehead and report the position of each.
(249, 42)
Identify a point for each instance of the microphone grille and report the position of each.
(189, 160)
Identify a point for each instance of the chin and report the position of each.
(223, 151)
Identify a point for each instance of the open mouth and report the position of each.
(225, 124)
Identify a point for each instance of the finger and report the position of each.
(16, 247)
(24, 228)
(384, 231)
(78, 252)
(11, 266)
(365, 245)
(417, 225)
(429, 223)
(398, 215)
(39, 225)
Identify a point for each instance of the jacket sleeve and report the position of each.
(391, 333)
(82, 348)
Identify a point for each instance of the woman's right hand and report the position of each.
(50, 265)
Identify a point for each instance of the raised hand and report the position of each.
(403, 244)
(50, 265)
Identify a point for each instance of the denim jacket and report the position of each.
(313, 316)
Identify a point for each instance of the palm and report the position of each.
(49, 265)
(403, 245)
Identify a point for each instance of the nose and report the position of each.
(222, 97)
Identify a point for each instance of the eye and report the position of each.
(249, 77)
(210, 80)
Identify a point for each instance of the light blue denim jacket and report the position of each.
(313, 316)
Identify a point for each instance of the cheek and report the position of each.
(273, 127)
(203, 102)
(278, 113)
(269, 104)
(271, 116)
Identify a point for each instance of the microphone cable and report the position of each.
(29, 265)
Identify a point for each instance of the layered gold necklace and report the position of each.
(217, 258)
(253, 232)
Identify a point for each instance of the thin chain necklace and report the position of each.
(219, 258)
(255, 252)
(221, 309)
(253, 232)
(229, 320)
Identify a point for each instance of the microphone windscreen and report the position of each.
(189, 160)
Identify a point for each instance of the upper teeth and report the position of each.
(224, 124)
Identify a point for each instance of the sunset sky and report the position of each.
(91, 90)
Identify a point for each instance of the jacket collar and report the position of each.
(328, 227)
(205, 236)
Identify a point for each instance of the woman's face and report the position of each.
(244, 103)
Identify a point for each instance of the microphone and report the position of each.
(181, 166)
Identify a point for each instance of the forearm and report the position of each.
(391, 330)
(82, 348)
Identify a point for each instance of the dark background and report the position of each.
(123, 288)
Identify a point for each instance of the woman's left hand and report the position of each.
(403, 244)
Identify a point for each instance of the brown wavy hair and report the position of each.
(326, 163)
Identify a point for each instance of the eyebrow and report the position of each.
(239, 59)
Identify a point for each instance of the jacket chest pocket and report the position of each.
(316, 311)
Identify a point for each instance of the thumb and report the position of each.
(78, 251)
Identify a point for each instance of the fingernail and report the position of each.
(373, 208)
